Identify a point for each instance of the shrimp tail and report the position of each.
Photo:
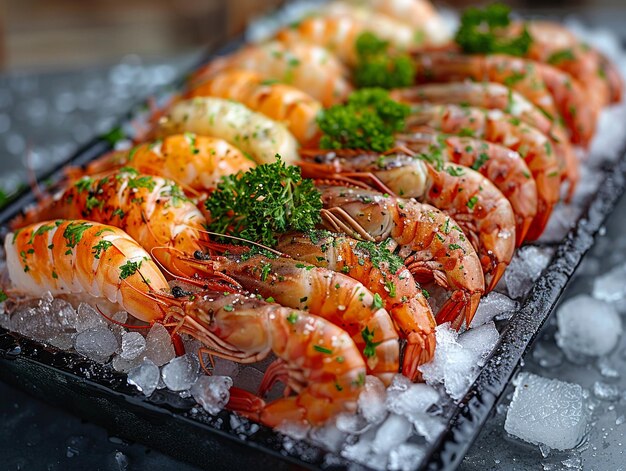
(419, 350)
(457, 308)
(496, 273)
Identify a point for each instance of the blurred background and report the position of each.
(56, 34)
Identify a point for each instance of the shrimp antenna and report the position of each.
(228, 236)
(201, 283)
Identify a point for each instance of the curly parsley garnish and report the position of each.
(481, 32)
(264, 201)
(378, 67)
(370, 347)
(368, 121)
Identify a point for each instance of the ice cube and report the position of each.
(605, 391)
(212, 392)
(96, 343)
(62, 341)
(362, 452)
(145, 377)
(372, 400)
(611, 286)
(454, 364)
(293, 429)
(66, 315)
(180, 373)
(525, 268)
(405, 457)
(395, 430)
(328, 436)
(494, 305)
(133, 345)
(354, 424)
(480, 341)
(124, 366)
(407, 398)
(88, 318)
(159, 348)
(547, 411)
(587, 326)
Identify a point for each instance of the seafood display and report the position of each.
(335, 200)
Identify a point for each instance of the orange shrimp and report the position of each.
(413, 23)
(83, 258)
(154, 211)
(431, 242)
(305, 66)
(277, 101)
(548, 88)
(554, 44)
(315, 359)
(491, 95)
(494, 126)
(421, 15)
(334, 296)
(504, 167)
(256, 135)
(195, 162)
(383, 274)
(482, 211)
(338, 31)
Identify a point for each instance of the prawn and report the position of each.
(427, 27)
(83, 257)
(480, 209)
(495, 126)
(431, 243)
(338, 29)
(195, 162)
(305, 66)
(154, 211)
(278, 101)
(334, 296)
(491, 95)
(552, 91)
(504, 167)
(315, 359)
(382, 273)
(256, 135)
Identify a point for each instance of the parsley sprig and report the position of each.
(367, 121)
(264, 201)
(481, 32)
(377, 66)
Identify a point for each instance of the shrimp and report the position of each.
(338, 31)
(554, 44)
(334, 296)
(315, 358)
(153, 211)
(278, 101)
(195, 162)
(482, 212)
(254, 134)
(383, 274)
(546, 87)
(305, 66)
(495, 126)
(504, 167)
(432, 244)
(83, 257)
(491, 95)
(427, 26)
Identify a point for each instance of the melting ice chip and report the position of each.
(372, 400)
(588, 326)
(145, 377)
(159, 346)
(611, 286)
(491, 306)
(97, 343)
(212, 392)
(133, 344)
(180, 373)
(547, 411)
(457, 358)
(524, 269)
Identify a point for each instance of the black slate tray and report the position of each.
(168, 423)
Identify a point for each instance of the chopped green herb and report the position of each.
(319, 348)
(472, 202)
(292, 318)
